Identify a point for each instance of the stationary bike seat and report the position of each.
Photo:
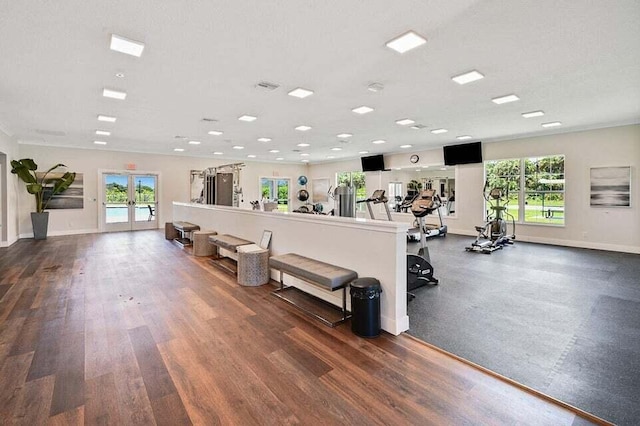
(424, 203)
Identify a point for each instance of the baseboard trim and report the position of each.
(577, 411)
(8, 242)
(564, 243)
(63, 233)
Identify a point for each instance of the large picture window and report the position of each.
(536, 187)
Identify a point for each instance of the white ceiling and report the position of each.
(579, 61)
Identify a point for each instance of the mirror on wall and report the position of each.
(402, 184)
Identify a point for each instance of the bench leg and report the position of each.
(281, 282)
(344, 303)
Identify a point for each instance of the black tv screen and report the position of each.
(372, 163)
(467, 153)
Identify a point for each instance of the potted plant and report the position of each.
(43, 187)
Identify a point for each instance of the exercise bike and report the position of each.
(419, 269)
(492, 235)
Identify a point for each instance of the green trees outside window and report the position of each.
(536, 187)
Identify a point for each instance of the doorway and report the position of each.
(129, 201)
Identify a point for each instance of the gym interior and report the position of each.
(505, 266)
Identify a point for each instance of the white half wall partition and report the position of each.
(372, 248)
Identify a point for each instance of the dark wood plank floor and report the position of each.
(127, 328)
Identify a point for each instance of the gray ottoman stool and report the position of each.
(253, 265)
(201, 246)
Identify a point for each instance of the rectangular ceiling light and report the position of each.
(194, 142)
(552, 124)
(178, 149)
(103, 133)
(405, 122)
(362, 110)
(405, 146)
(300, 93)
(467, 77)
(405, 42)
(303, 128)
(99, 142)
(124, 45)
(505, 99)
(379, 141)
(344, 135)
(463, 138)
(533, 114)
(264, 139)
(115, 94)
(215, 132)
(247, 118)
(438, 131)
(107, 118)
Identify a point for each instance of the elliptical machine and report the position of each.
(419, 269)
(494, 231)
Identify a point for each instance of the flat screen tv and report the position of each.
(466, 153)
(372, 163)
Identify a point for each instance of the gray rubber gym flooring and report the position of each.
(561, 320)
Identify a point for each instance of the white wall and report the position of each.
(173, 182)
(609, 229)
(9, 186)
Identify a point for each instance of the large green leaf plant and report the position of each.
(26, 171)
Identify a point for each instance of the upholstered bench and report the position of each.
(229, 243)
(185, 229)
(321, 274)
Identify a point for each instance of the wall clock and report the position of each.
(414, 158)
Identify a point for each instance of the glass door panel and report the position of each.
(129, 202)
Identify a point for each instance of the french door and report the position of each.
(129, 201)
(276, 190)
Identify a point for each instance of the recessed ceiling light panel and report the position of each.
(218, 153)
(378, 141)
(336, 149)
(468, 77)
(362, 109)
(463, 137)
(178, 149)
(251, 156)
(418, 127)
(304, 154)
(405, 122)
(363, 152)
(344, 135)
(274, 151)
(303, 128)
(99, 142)
(194, 142)
(247, 118)
(303, 144)
(532, 114)
(279, 158)
(505, 99)
(125, 45)
(300, 93)
(405, 146)
(405, 42)
(552, 124)
(238, 147)
(107, 118)
(215, 132)
(264, 139)
(114, 94)
(103, 133)
(439, 131)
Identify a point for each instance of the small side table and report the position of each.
(253, 265)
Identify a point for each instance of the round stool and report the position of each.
(253, 265)
(201, 246)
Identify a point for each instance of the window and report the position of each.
(276, 190)
(357, 180)
(395, 194)
(534, 187)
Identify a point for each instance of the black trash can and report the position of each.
(365, 307)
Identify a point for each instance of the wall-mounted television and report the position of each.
(466, 153)
(372, 163)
